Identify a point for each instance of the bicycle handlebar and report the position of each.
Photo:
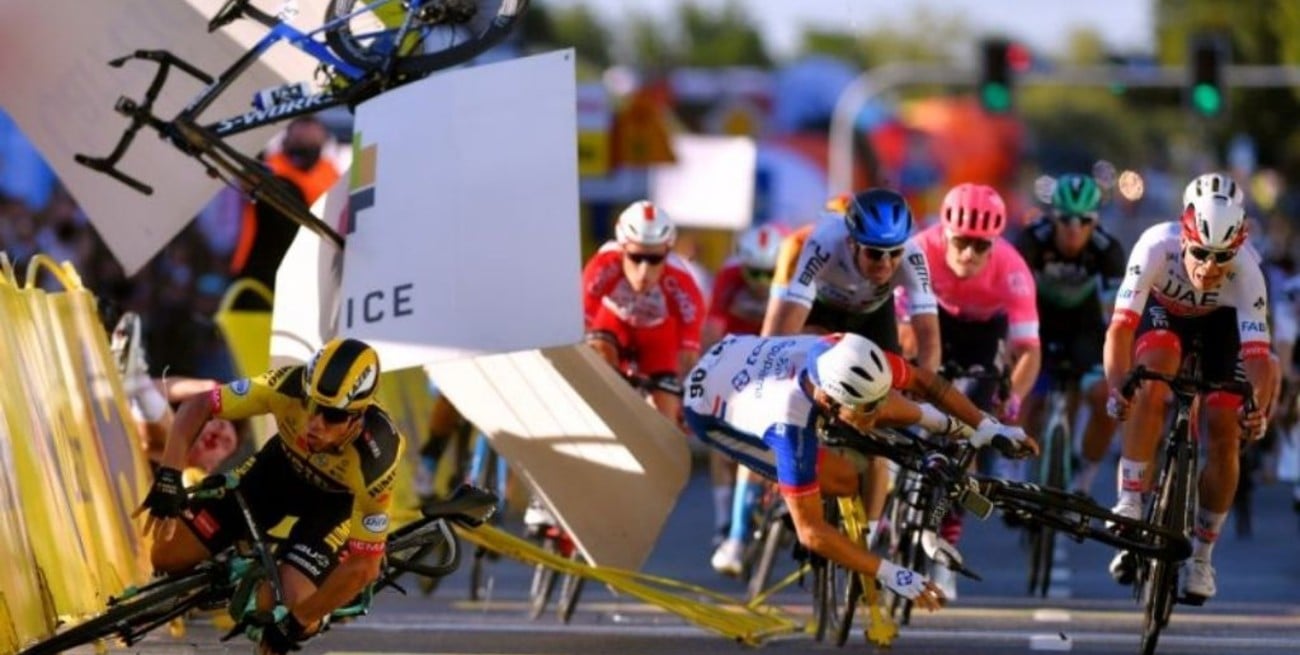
(1187, 385)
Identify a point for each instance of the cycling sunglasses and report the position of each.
(980, 246)
(876, 254)
(757, 275)
(331, 415)
(1220, 256)
(1082, 220)
(653, 259)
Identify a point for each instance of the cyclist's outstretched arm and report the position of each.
(934, 388)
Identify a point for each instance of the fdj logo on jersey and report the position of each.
(815, 264)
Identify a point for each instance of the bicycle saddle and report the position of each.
(467, 503)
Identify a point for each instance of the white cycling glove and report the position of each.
(904, 582)
(991, 427)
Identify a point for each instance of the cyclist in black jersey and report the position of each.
(1077, 267)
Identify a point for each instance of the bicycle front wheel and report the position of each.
(152, 605)
(440, 33)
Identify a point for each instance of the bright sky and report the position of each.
(1126, 25)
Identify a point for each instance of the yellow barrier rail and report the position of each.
(717, 612)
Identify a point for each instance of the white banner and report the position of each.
(712, 183)
(464, 206)
(59, 88)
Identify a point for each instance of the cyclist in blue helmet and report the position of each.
(839, 275)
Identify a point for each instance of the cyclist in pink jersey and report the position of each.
(988, 315)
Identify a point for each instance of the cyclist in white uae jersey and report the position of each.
(763, 400)
(1196, 276)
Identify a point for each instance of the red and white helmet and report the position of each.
(758, 247)
(645, 224)
(974, 210)
(1214, 221)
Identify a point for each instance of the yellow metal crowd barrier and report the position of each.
(71, 466)
(746, 623)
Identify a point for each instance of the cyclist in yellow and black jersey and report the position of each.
(331, 466)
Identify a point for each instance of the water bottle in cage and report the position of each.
(276, 95)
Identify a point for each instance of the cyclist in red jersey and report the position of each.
(641, 308)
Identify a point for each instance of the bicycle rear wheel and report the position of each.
(849, 605)
(150, 605)
(442, 33)
(774, 535)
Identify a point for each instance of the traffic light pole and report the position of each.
(889, 77)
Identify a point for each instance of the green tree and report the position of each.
(696, 36)
(577, 27)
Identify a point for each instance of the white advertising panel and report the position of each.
(463, 233)
(307, 284)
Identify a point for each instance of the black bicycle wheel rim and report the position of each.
(762, 572)
(543, 584)
(490, 32)
(570, 592)
(153, 601)
(852, 591)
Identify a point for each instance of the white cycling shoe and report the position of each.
(728, 559)
(1197, 576)
(946, 580)
(1123, 567)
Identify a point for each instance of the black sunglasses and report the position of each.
(333, 415)
(980, 246)
(757, 275)
(1220, 256)
(1083, 220)
(652, 259)
(876, 254)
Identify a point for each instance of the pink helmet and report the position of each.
(974, 210)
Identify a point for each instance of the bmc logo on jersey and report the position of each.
(917, 260)
(815, 264)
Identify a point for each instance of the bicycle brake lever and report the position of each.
(946, 554)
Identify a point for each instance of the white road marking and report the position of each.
(1052, 615)
(1056, 642)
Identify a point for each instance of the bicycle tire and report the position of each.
(570, 592)
(543, 584)
(761, 575)
(484, 478)
(484, 32)
(852, 592)
(170, 595)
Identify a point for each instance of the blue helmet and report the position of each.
(878, 217)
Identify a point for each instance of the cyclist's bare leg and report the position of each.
(1147, 415)
(1219, 475)
(722, 472)
(875, 488)
(1097, 435)
(181, 551)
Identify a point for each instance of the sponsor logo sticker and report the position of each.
(376, 523)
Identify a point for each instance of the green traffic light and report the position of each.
(995, 97)
(1206, 99)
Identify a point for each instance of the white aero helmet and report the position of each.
(1213, 184)
(758, 247)
(1214, 221)
(851, 369)
(645, 224)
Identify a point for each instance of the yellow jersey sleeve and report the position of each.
(251, 396)
(379, 452)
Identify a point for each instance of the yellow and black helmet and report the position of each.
(342, 375)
